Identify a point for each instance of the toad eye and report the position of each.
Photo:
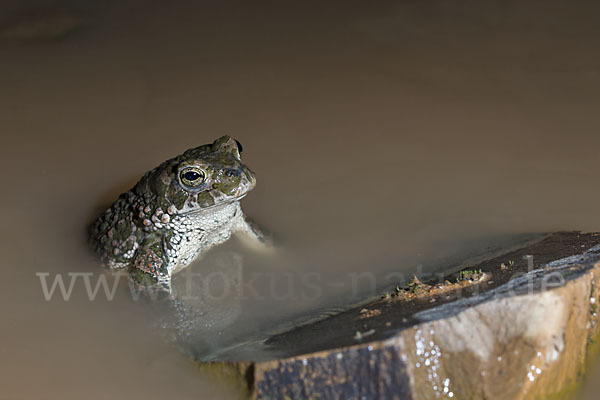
(192, 176)
(239, 147)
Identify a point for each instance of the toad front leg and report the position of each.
(253, 235)
(150, 263)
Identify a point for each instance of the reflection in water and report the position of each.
(226, 304)
(385, 138)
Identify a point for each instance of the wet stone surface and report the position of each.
(514, 329)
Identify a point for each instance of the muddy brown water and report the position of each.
(391, 139)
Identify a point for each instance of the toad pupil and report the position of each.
(191, 176)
